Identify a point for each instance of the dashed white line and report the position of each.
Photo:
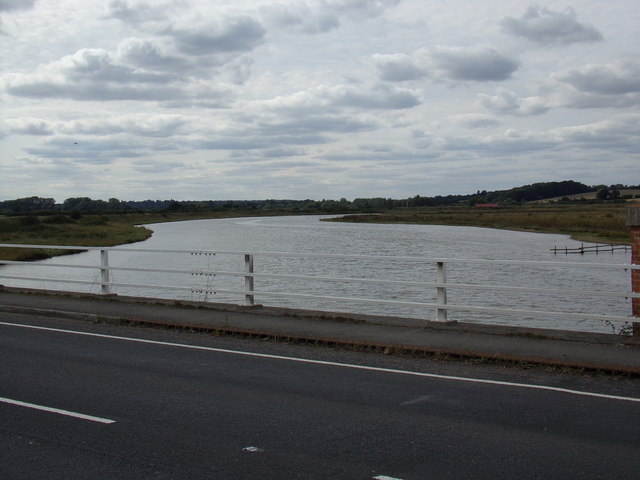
(384, 477)
(56, 410)
(335, 364)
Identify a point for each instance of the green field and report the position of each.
(597, 223)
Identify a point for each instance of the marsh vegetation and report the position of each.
(598, 223)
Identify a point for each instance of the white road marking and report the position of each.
(424, 398)
(335, 364)
(56, 410)
(252, 450)
(384, 477)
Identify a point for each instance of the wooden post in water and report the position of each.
(633, 221)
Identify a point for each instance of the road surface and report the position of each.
(85, 401)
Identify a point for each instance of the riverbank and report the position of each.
(91, 230)
(596, 223)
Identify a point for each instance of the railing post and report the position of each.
(441, 279)
(105, 281)
(248, 280)
(633, 222)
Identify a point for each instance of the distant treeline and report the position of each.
(513, 196)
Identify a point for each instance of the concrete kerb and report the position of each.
(393, 335)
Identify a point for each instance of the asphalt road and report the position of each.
(226, 408)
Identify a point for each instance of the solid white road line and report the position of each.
(335, 364)
(57, 410)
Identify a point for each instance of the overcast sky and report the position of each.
(251, 99)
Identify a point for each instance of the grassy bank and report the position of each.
(85, 230)
(598, 223)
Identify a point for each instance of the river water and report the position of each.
(308, 234)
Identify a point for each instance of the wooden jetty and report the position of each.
(598, 248)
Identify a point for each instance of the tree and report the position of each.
(28, 204)
(603, 193)
(614, 192)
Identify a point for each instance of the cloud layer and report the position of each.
(320, 98)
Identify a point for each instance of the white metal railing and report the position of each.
(247, 272)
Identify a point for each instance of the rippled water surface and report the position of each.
(307, 234)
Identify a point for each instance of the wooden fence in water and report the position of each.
(598, 248)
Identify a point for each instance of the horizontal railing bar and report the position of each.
(327, 255)
(471, 286)
(435, 305)
(347, 299)
(62, 265)
(558, 291)
(58, 280)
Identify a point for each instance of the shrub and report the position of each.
(58, 219)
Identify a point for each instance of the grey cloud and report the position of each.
(237, 34)
(546, 27)
(7, 5)
(307, 103)
(474, 64)
(393, 157)
(136, 12)
(237, 70)
(154, 168)
(300, 139)
(147, 53)
(231, 143)
(618, 79)
(281, 152)
(397, 68)
(270, 135)
(508, 143)
(363, 8)
(317, 123)
(303, 18)
(158, 126)
(32, 126)
(93, 74)
(320, 16)
(99, 65)
(620, 133)
(90, 92)
(381, 97)
(157, 55)
(475, 121)
(577, 99)
(506, 101)
(99, 151)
